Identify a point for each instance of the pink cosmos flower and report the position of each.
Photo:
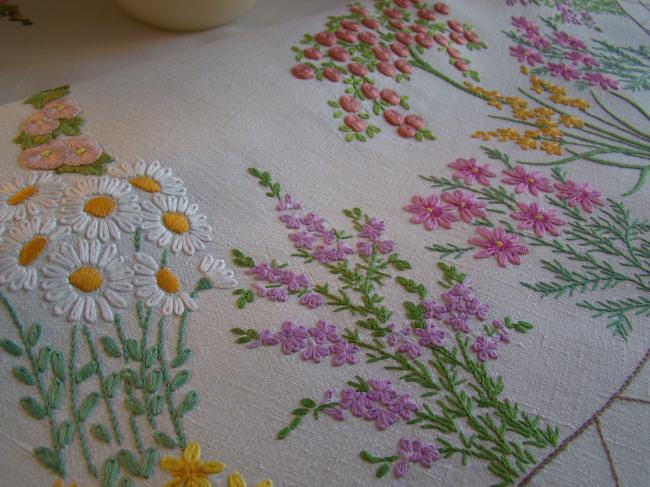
(46, 156)
(469, 170)
(39, 124)
(62, 108)
(532, 181)
(561, 69)
(82, 150)
(541, 221)
(579, 194)
(505, 247)
(531, 56)
(466, 203)
(431, 212)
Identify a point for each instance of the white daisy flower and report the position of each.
(215, 269)
(24, 250)
(99, 207)
(29, 195)
(81, 278)
(171, 220)
(149, 177)
(155, 283)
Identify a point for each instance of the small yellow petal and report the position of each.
(171, 464)
(201, 483)
(265, 483)
(192, 452)
(58, 483)
(212, 467)
(175, 482)
(236, 480)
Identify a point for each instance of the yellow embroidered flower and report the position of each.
(571, 121)
(479, 134)
(59, 483)
(552, 148)
(526, 143)
(523, 69)
(236, 480)
(190, 471)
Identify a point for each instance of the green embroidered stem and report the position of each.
(136, 432)
(634, 104)
(143, 320)
(628, 127)
(81, 433)
(180, 343)
(169, 400)
(102, 381)
(122, 337)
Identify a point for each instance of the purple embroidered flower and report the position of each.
(602, 80)
(302, 240)
(267, 338)
(382, 391)
(288, 204)
(385, 246)
(459, 322)
(357, 402)
(503, 332)
(485, 348)
(497, 243)
(383, 418)
(314, 223)
(325, 255)
(523, 54)
(292, 281)
(466, 203)
(336, 413)
(582, 194)
(469, 170)
(343, 250)
(404, 406)
(431, 336)
(433, 310)
(292, 337)
(291, 221)
(260, 291)
(328, 236)
(410, 349)
(275, 274)
(539, 41)
(541, 221)
(277, 294)
(431, 212)
(260, 271)
(312, 300)
(524, 25)
(532, 181)
(314, 351)
(591, 62)
(344, 352)
(325, 331)
(561, 69)
(364, 248)
(372, 230)
(414, 451)
(562, 38)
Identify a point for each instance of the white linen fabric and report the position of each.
(211, 112)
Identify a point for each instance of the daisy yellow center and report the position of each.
(145, 183)
(168, 281)
(80, 150)
(86, 279)
(32, 250)
(22, 195)
(499, 244)
(100, 206)
(176, 222)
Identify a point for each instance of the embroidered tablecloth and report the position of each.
(397, 243)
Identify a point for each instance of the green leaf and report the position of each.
(150, 356)
(179, 380)
(100, 433)
(86, 371)
(135, 406)
(58, 364)
(11, 347)
(64, 434)
(69, 126)
(203, 285)
(55, 394)
(241, 259)
(155, 405)
(43, 358)
(182, 357)
(164, 440)
(129, 376)
(23, 375)
(110, 472)
(125, 482)
(128, 462)
(33, 334)
(308, 403)
(133, 349)
(188, 403)
(32, 407)
(300, 412)
(154, 380)
(87, 406)
(383, 470)
(42, 98)
(110, 384)
(110, 347)
(97, 168)
(50, 459)
(149, 462)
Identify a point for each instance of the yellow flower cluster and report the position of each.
(547, 134)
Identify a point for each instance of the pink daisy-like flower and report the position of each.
(46, 156)
(431, 212)
(532, 181)
(469, 170)
(83, 150)
(582, 194)
(561, 69)
(39, 124)
(602, 80)
(541, 221)
(62, 108)
(466, 203)
(505, 247)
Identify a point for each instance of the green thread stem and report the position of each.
(81, 433)
(143, 320)
(634, 104)
(629, 127)
(100, 374)
(39, 378)
(180, 345)
(169, 400)
(136, 433)
(122, 337)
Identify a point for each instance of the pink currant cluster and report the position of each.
(390, 42)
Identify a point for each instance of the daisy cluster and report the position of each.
(88, 242)
(471, 206)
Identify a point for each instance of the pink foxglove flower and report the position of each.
(39, 124)
(582, 194)
(532, 181)
(46, 156)
(62, 108)
(497, 243)
(431, 212)
(466, 203)
(469, 170)
(541, 221)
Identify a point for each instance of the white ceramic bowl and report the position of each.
(185, 15)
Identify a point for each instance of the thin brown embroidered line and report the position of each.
(581, 429)
(633, 399)
(608, 452)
